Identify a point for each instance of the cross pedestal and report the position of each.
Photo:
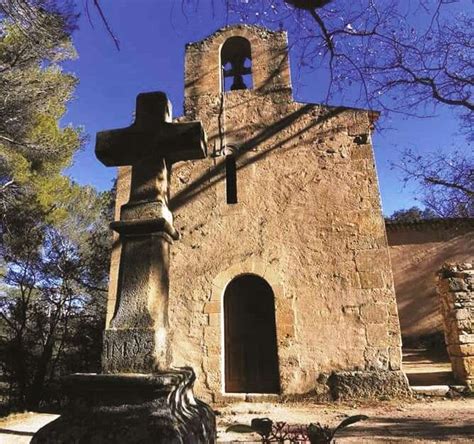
(138, 399)
(136, 339)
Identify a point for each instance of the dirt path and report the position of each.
(389, 422)
(440, 421)
(19, 429)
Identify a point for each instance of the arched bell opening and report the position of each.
(250, 343)
(236, 64)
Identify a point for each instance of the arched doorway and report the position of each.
(251, 360)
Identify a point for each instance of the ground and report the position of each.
(20, 428)
(398, 422)
(420, 421)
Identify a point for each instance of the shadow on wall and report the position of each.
(211, 177)
(417, 255)
(217, 174)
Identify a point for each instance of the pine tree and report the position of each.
(34, 148)
(54, 237)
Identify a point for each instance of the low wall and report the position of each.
(456, 296)
(417, 252)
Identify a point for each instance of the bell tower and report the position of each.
(233, 59)
(236, 57)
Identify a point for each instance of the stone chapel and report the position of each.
(281, 282)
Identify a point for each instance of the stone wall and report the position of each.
(456, 293)
(308, 221)
(270, 66)
(417, 252)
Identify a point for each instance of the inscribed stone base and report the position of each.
(132, 409)
(369, 385)
(128, 351)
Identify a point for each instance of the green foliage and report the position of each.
(54, 236)
(42, 22)
(34, 148)
(52, 300)
(413, 214)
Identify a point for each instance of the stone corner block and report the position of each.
(377, 384)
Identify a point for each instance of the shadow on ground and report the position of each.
(410, 429)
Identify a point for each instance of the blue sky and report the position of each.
(152, 37)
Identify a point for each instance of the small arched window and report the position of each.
(236, 64)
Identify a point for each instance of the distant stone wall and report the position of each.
(417, 252)
(456, 292)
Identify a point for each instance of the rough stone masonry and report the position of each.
(456, 297)
(287, 195)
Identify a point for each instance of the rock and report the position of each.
(131, 409)
(431, 390)
(369, 385)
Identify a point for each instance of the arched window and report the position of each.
(236, 64)
(251, 359)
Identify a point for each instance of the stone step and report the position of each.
(430, 390)
(438, 390)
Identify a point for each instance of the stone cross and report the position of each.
(136, 339)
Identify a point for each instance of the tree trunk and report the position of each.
(36, 390)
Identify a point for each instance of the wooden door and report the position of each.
(251, 360)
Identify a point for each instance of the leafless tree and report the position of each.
(446, 182)
(396, 56)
